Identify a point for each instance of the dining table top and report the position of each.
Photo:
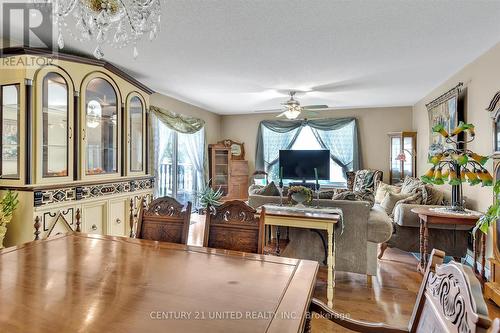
(80, 282)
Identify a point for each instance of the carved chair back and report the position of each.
(449, 300)
(235, 226)
(164, 220)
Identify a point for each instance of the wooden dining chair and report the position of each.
(164, 220)
(235, 226)
(449, 300)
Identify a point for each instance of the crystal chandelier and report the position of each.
(117, 23)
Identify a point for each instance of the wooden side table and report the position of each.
(430, 216)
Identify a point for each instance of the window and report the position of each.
(9, 111)
(101, 131)
(55, 114)
(339, 136)
(180, 161)
(307, 141)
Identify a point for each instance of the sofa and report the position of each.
(453, 239)
(355, 247)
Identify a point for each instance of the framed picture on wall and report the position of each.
(448, 110)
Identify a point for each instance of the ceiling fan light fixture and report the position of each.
(292, 114)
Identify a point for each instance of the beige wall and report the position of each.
(482, 80)
(212, 120)
(374, 124)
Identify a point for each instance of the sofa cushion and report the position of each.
(382, 189)
(391, 199)
(268, 190)
(434, 195)
(379, 225)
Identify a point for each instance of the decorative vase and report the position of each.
(299, 198)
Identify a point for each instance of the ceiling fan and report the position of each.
(292, 108)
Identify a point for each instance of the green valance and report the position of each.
(177, 122)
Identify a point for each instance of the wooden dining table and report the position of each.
(92, 283)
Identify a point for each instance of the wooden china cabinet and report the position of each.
(492, 288)
(228, 169)
(73, 140)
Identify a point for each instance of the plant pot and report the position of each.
(299, 198)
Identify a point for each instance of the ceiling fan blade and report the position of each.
(314, 107)
(281, 114)
(309, 114)
(269, 111)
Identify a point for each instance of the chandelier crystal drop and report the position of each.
(118, 23)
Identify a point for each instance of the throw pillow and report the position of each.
(383, 188)
(364, 180)
(434, 195)
(252, 189)
(350, 175)
(269, 190)
(412, 185)
(391, 199)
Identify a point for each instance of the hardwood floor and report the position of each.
(387, 297)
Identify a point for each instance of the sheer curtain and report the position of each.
(161, 156)
(341, 140)
(195, 147)
(177, 147)
(273, 136)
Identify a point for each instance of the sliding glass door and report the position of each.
(180, 161)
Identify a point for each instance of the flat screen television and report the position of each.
(300, 164)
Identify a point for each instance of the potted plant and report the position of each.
(209, 198)
(491, 215)
(300, 194)
(8, 204)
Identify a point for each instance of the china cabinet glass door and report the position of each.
(101, 128)
(9, 99)
(56, 129)
(221, 170)
(135, 135)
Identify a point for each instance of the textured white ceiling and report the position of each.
(230, 56)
